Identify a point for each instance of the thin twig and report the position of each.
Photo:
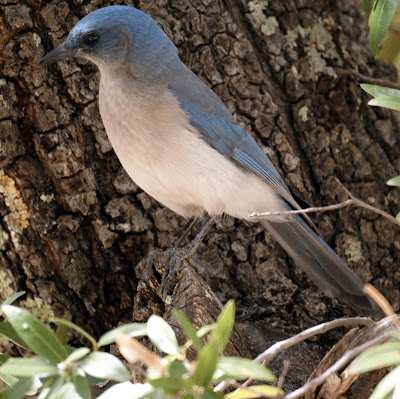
(368, 79)
(286, 365)
(367, 206)
(271, 352)
(383, 303)
(351, 201)
(349, 355)
(278, 347)
(305, 210)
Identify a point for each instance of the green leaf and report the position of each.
(224, 324)
(386, 385)
(44, 393)
(127, 390)
(106, 366)
(13, 298)
(252, 392)
(36, 335)
(379, 22)
(81, 386)
(378, 91)
(206, 365)
(395, 181)
(31, 367)
(51, 391)
(395, 337)
(208, 356)
(23, 387)
(390, 102)
(398, 217)
(156, 394)
(208, 393)
(8, 379)
(67, 391)
(367, 4)
(76, 355)
(377, 357)
(93, 380)
(188, 329)
(240, 369)
(131, 330)
(171, 385)
(78, 329)
(62, 331)
(162, 335)
(8, 332)
(3, 358)
(177, 369)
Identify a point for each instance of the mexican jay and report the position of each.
(180, 144)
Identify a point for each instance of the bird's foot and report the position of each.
(176, 257)
(161, 269)
(148, 269)
(169, 263)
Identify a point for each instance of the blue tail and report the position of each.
(320, 262)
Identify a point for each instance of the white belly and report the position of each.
(165, 156)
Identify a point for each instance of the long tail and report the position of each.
(320, 262)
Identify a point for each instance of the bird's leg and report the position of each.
(148, 271)
(178, 241)
(180, 254)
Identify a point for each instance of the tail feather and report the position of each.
(320, 262)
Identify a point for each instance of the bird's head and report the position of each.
(119, 38)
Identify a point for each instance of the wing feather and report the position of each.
(219, 129)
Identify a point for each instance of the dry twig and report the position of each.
(346, 358)
(383, 303)
(278, 347)
(351, 201)
(271, 352)
(368, 79)
(286, 366)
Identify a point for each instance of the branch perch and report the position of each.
(351, 201)
(368, 79)
(278, 347)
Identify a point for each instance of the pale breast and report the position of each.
(169, 160)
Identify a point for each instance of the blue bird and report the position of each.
(180, 144)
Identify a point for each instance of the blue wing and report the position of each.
(209, 115)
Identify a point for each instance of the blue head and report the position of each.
(120, 38)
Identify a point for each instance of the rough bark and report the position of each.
(74, 227)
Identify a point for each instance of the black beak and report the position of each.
(63, 52)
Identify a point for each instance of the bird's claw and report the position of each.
(176, 257)
(166, 265)
(169, 262)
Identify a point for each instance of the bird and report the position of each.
(180, 144)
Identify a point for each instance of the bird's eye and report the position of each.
(91, 38)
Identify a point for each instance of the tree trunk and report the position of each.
(74, 227)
